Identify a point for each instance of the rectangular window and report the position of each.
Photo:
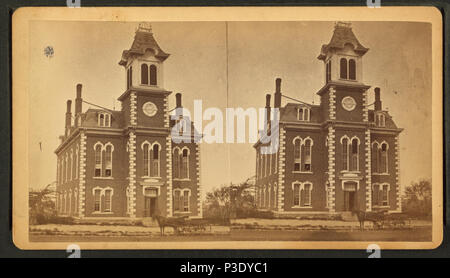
(97, 200)
(297, 166)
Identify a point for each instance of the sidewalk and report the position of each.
(297, 224)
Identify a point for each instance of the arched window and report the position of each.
(300, 114)
(185, 164)
(303, 114)
(104, 119)
(343, 64)
(272, 196)
(101, 119)
(128, 79)
(305, 199)
(75, 197)
(70, 201)
(307, 146)
(275, 198)
(297, 154)
(257, 165)
(67, 167)
(176, 200)
(380, 120)
(355, 155)
(176, 163)
(108, 161)
(263, 196)
(144, 74)
(64, 202)
(108, 201)
(97, 199)
(71, 164)
(270, 163)
(380, 195)
(351, 69)
(62, 169)
(375, 158)
(296, 194)
(383, 158)
(155, 161)
(77, 161)
(153, 77)
(181, 202)
(328, 72)
(146, 161)
(276, 161)
(302, 194)
(344, 143)
(98, 160)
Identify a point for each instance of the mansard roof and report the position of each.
(143, 40)
(288, 113)
(389, 122)
(342, 35)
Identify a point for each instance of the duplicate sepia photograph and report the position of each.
(259, 128)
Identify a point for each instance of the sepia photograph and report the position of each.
(227, 128)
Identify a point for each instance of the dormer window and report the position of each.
(347, 69)
(380, 120)
(104, 119)
(148, 75)
(303, 114)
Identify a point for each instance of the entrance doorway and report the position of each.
(150, 206)
(350, 199)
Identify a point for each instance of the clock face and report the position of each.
(348, 103)
(149, 109)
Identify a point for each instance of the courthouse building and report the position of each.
(124, 164)
(341, 155)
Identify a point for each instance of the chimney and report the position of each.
(179, 106)
(68, 116)
(78, 101)
(378, 106)
(268, 112)
(277, 99)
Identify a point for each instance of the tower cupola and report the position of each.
(342, 56)
(144, 60)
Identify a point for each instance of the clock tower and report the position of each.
(146, 118)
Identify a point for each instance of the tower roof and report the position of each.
(143, 40)
(342, 35)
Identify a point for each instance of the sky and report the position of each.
(200, 67)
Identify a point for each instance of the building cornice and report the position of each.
(75, 134)
(342, 84)
(153, 91)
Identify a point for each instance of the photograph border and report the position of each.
(20, 43)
